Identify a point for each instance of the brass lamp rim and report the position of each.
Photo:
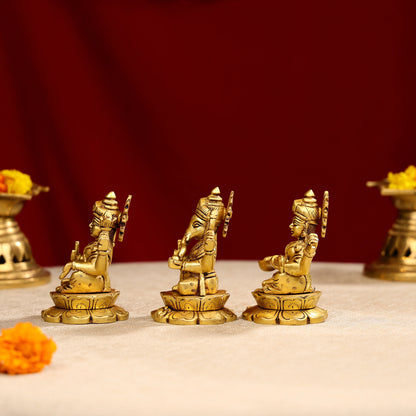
(397, 192)
(386, 191)
(36, 190)
(25, 197)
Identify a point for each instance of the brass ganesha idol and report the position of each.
(195, 299)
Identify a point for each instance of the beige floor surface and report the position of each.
(361, 361)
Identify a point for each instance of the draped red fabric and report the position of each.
(166, 100)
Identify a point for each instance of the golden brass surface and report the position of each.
(82, 308)
(85, 294)
(286, 302)
(288, 298)
(85, 300)
(397, 260)
(195, 299)
(195, 303)
(84, 316)
(167, 315)
(18, 268)
(291, 317)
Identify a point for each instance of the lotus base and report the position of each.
(85, 308)
(194, 310)
(290, 309)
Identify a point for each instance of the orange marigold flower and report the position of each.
(24, 349)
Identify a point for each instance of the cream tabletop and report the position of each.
(361, 361)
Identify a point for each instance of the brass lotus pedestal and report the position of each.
(292, 309)
(194, 310)
(397, 260)
(85, 308)
(18, 268)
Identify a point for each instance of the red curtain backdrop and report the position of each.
(167, 99)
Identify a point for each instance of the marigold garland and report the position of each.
(24, 349)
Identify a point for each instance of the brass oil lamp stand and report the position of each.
(18, 268)
(397, 259)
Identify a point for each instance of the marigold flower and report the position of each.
(17, 182)
(403, 180)
(24, 349)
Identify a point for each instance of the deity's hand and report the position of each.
(67, 268)
(174, 262)
(271, 263)
(312, 241)
(265, 264)
(75, 252)
(181, 250)
(104, 242)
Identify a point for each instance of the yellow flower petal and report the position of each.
(17, 182)
(403, 180)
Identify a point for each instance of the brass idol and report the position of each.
(195, 299)
(85, 294)
(288, 298)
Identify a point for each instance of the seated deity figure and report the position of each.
(292, 268)
(197, 273)
(89, 270)
(288, 298)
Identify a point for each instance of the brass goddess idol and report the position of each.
(288, 298)
(85, 294)
(196, 298)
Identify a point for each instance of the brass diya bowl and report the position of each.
(12, 204)
(18, 268)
